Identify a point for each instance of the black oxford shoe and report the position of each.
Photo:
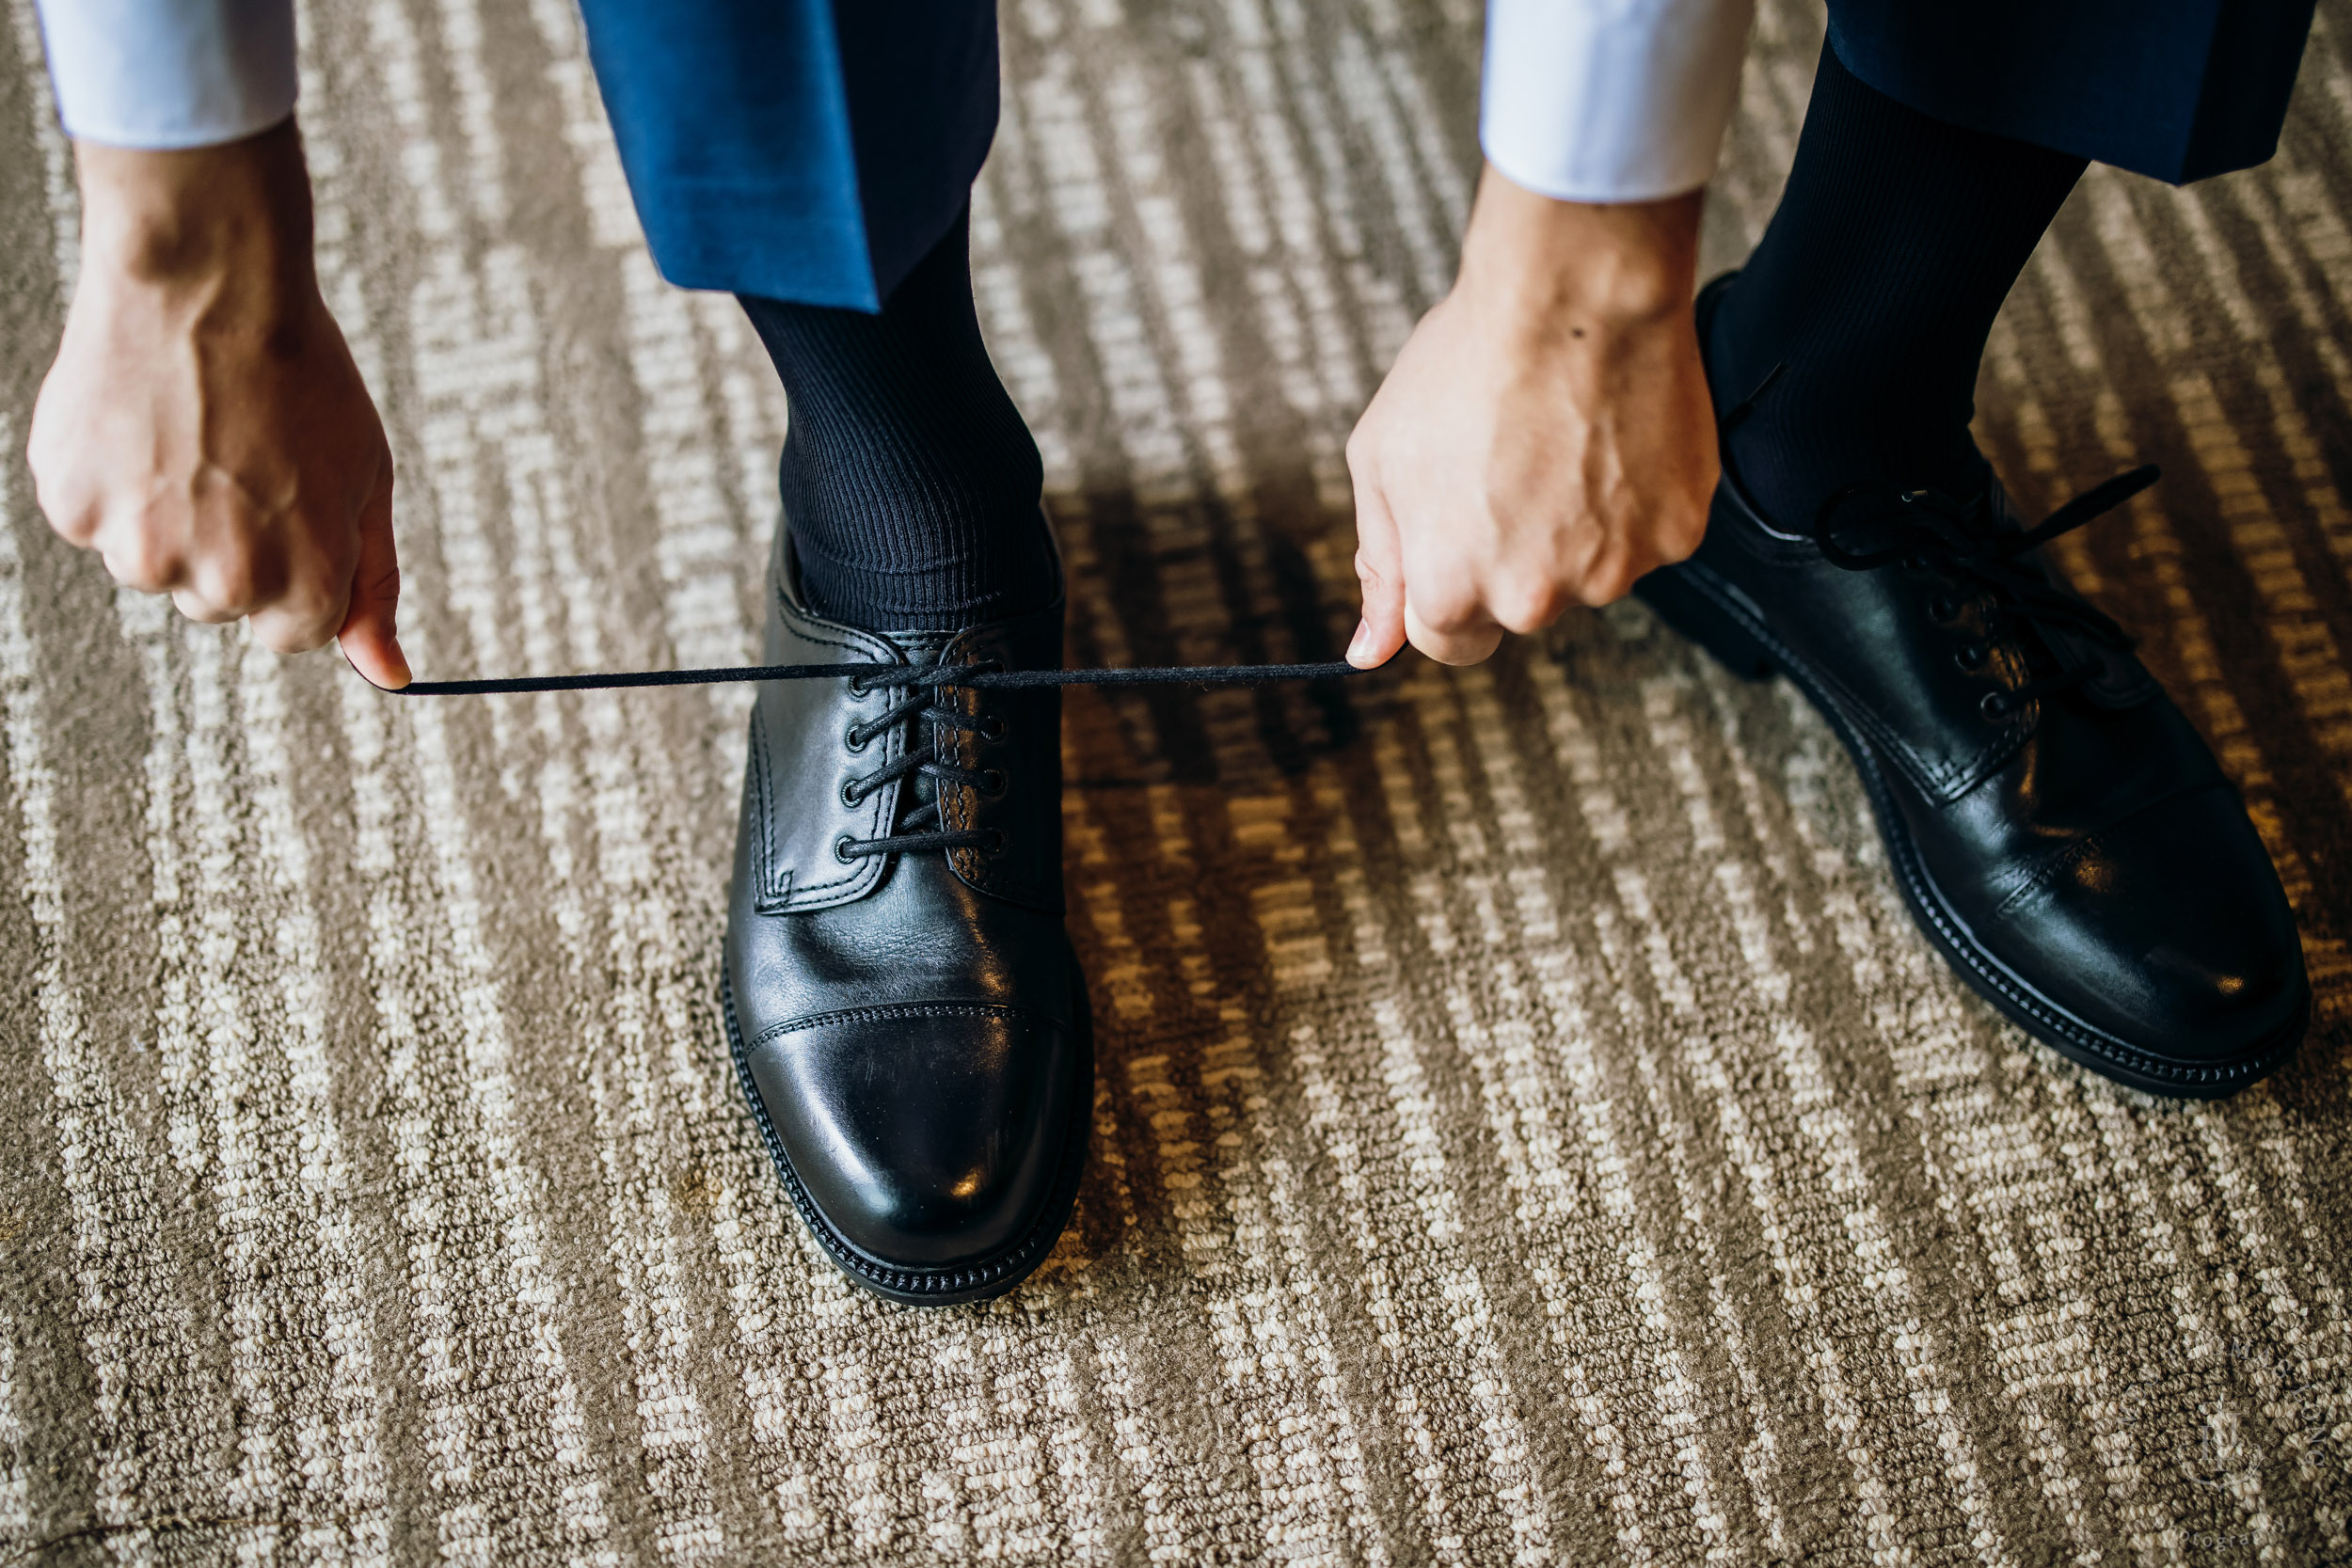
(905, 1011)
(2056, 827)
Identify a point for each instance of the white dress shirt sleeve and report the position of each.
(169, 73)
(1610, 100)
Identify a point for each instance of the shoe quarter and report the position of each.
(1866, 640)
(801, 763)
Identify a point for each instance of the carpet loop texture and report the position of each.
(1528, 1127)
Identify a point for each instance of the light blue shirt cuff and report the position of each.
(169, 73)
(1611, 100)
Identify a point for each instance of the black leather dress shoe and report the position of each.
(2057, 827)
(905, 1010)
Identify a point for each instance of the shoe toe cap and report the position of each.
(927, 1137)
(2168, 931)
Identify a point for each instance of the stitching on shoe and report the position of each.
(1918, 893)
(885, 1012)
(2072, 854)
(1941, 777)
(773, 888)
(792, 890)
(1010, 1267)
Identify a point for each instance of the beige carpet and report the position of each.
(1528, 1127)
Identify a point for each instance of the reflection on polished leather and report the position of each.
(907, 1019)
(2057, 827)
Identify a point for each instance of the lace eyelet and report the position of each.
(1994, 705)
(998, 841)
(850, 795)
(1970, 656)
(1944, 608)
(992, 781)
(992, 727)
(859, 691)
(841, 849)
(854, 741)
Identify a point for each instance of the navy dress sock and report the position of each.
(1874, 288)
(909, 479)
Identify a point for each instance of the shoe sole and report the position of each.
(1694, 601)
(990, 1278)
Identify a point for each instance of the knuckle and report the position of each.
(75, 520)
(140, 561)
(196, 608)
(1458, 649)
(1686, 531)
(228, 582)
(291, 632)
(70, 505)
(303, 605)
(1529, 607)
(1448, 614)
(1608, 582)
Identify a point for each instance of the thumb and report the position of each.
(367, 638)
(1380, 573)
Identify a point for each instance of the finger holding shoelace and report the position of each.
(1463, 633)
(1546, 436)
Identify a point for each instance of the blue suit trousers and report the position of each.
(797, 149)
(813, 151)
(2174, 89)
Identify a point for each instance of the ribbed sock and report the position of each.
(909, 479)
(1874, 288)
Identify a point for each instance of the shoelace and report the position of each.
(923, 686)
(979, 677)
(925, 760)
(1956, 541)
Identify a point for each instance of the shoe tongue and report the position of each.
(1994, 516)
(2051, 649)
(922, 647)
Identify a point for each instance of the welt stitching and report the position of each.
(768, 846)
(887, 1013)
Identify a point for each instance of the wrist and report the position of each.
(230, 223)
(1586, 265)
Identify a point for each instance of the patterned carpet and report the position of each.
(1529, 1129)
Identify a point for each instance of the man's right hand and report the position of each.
(204, 429)
(1545, 438)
